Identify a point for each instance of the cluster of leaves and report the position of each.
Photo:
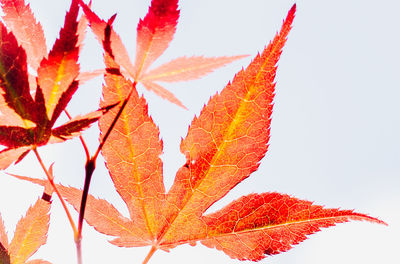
(224, 144)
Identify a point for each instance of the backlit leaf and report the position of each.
(29, 33)
(154, 33)
(31, 232)
(224, 145)
(27, 122)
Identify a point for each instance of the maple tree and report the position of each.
(223, 146)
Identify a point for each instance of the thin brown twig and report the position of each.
(78, 234)
(50, 178)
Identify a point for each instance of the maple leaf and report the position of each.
(224, 145)
(29, 33)
(26, 120)
(30, 234)
(154, 34)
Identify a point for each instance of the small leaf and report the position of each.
(56, 84)
(154, 33)
(31, 232)
(29, 33)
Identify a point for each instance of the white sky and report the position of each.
(335, 129)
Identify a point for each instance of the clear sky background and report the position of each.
(335, 129)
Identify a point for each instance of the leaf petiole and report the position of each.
(50, 179)
(149, 255)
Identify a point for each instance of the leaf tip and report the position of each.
(111, 19)
(292, 11)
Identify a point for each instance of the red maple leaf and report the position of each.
(154, 34)
(27, 121)
(224, 145)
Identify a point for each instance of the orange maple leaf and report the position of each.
(224, 145)
(30, 234)
(154, 34)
